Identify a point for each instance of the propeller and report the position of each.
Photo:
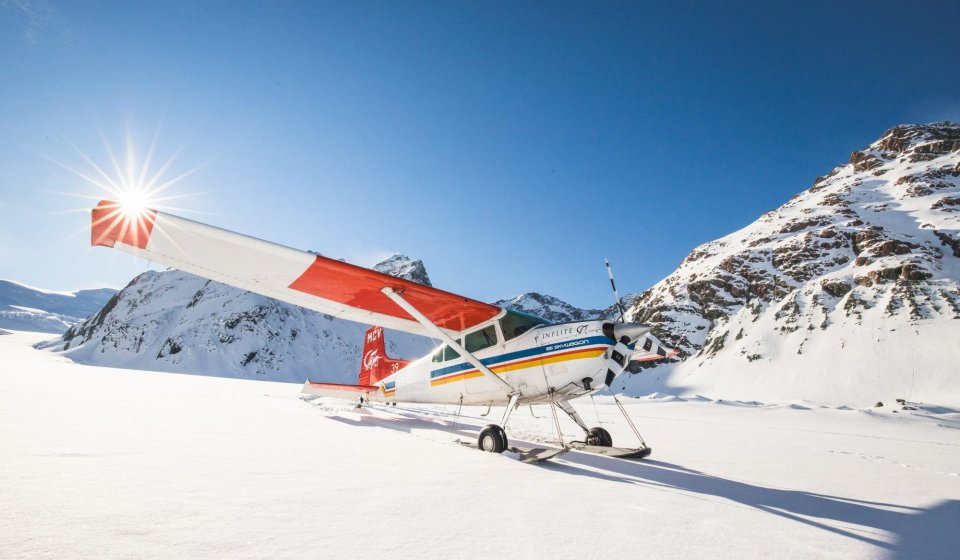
(623, 332)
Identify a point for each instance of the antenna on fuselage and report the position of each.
(616, 296)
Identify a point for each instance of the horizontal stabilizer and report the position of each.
(337, 390)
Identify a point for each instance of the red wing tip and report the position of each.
(107, 203)
(109, 224)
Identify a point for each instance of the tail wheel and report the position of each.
(492, 438)
(599, 437)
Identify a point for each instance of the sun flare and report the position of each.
(132, 181)
(133, 202)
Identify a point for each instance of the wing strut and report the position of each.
(436, 331)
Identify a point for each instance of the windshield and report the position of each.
(515, 323)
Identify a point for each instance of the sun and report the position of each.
(133, 202)
(132, 181)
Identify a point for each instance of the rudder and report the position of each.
(374, 363)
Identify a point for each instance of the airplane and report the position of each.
(488, 355)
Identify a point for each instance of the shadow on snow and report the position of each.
(930, 533)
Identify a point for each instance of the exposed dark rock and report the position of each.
(948, 203)
(862, 161)
(949, 241)
(835, 288)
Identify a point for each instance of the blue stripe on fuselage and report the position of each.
(537, 350)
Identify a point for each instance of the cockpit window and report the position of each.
(478, 340)
(450, 353)
(515, 323)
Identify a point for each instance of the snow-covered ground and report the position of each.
(111, 463)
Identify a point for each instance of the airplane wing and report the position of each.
(298, 277)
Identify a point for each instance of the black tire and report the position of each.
(492, 438)
(599, 437)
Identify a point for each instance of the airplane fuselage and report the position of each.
(567, 360)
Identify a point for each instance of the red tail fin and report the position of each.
(374, 363)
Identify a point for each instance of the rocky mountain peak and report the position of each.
(548, 307)
(934, 138)
(404, 267)
(872, 245)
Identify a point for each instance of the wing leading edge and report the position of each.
(312, 281)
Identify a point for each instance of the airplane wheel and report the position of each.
(492, 438)
(599, 437)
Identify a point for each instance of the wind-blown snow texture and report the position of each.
(24, 308)
(846, 294)
(175, 321)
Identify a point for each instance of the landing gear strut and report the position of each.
(599, 441)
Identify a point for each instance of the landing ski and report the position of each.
(618, 452)
(527, 455)
(535, 454)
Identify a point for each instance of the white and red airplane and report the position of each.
(488, 356)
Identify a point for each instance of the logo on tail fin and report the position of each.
(371, 359)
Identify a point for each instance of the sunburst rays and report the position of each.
(132, 179)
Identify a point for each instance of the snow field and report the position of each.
(111, 463)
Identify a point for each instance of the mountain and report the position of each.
(24, 308)
(404, 267)
(177, 322)
(849, 293)
(548, 307)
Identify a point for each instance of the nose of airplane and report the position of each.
(632, 331)
(625, 334)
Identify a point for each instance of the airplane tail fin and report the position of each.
(374, 363)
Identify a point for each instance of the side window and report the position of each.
(450, 353)
(438, 355)
(647, 344)
(513, 324)
(478, 340)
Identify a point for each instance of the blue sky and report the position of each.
(511, 146)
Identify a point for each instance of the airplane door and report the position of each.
(484, 344)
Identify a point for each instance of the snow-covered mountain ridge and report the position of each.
(848, 293)
(548, 307)
(178, 322)
(25, 308)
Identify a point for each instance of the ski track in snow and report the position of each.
(112, 463)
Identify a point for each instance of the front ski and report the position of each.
(535, 454)
(527, 455)
(617, 452)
